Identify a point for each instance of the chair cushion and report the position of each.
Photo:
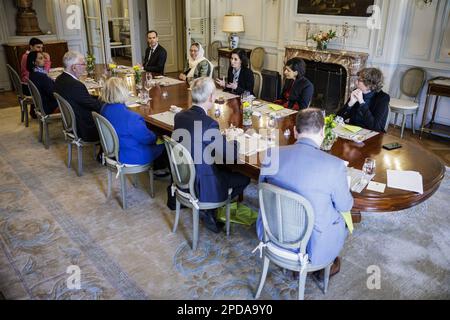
(403, 104)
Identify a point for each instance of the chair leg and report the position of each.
(69, 155)
(413, 124)
(25, 111)
(177, 216)
(195, 215)
(47, 138)
(152, 183)
(403, 126)
(326, 279)
(123, 186)
(108, 195)
(80, 160)
(134, 180)
(41, 130)
(395, 120)
(262, 280)
(22, 115)
(228, 217)
(301, 285)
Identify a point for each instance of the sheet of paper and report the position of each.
(167, 117)
(166, 81)
(357, 179)
(376, 186)
(360, 136)
(405, 180)
(225, 95)
(275, 107)
(348, 221)
(351, 128)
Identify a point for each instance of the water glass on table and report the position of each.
(368, 169)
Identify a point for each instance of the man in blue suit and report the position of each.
(319, 177)
(200, 134)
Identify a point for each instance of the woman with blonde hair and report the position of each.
(199, 66)
(368, 106)
(137, 142)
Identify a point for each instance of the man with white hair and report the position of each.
(203, 140)
(75, 92)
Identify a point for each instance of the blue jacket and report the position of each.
(45, 86)
(208, 180)
(137, 142)
(322, 179)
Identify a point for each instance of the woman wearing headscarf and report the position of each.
(199, 66)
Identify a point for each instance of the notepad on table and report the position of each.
(275, 107)
(376, 186)
(353, 129)
(405, 180)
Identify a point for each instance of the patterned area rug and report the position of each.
(50, 220)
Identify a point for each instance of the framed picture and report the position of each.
(355, 8)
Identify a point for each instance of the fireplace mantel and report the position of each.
(350, 60)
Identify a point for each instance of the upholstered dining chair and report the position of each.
(110, 144)
(24, 100)
(43, 118)
(257, 59)
(71, 135)
(214, 54)
(258, 83)
(288, 221)
(183, 175)
(411, 85)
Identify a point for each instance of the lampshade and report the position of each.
(233, 23)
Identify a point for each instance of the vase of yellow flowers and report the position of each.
(138, 71)
(322, 39)
(330, 135)
(90, 63)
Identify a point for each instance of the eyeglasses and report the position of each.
(79, 64)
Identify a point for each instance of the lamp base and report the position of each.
(234, 41)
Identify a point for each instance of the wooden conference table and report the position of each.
(409, 157)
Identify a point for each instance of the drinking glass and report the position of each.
(271, 125)
(148, 85)
(368, 169)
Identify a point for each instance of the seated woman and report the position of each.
(137, 143)
(38, 75)
(199, 66)
(297, 91)
(368, 106)
(240, 77)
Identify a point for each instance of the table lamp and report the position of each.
(233, 24)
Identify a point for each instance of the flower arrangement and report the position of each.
(322, 38)
(330, 136)
(90, 63)
(138, 71)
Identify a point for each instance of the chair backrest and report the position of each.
(213, 50)
(67, 114)
(37, 99)
(17, 84)
(258, 83)
(181, 165)
(288, 218)
(211, 69)
(257, 59)
(108, 136)
(412, 82)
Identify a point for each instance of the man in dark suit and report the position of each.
(200, 134)
(76, 93)
(155, 55)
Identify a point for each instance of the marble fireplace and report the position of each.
(333, 73)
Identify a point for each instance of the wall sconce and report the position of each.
(421, 4)
(233, 24)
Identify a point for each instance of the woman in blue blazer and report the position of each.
(137, 142)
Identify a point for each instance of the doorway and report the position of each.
(111, 31)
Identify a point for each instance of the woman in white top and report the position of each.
(199, 66)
